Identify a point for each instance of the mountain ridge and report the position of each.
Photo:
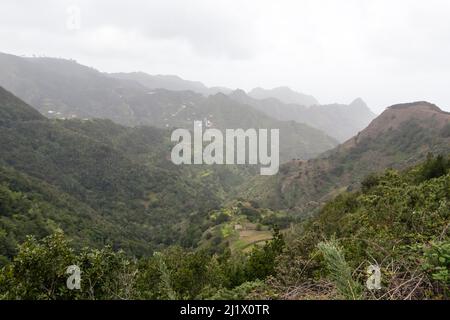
(397, 142)
(285, 95)
(338, 121)
(396, 114)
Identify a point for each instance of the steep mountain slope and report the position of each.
(285, 95)
(14, 109)
(64, 89)
(338, 121)
(399, 137)
(98, 171)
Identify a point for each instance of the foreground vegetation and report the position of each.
(398, 221)
(39, 272)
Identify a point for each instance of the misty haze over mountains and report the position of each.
(284, 94)
(64, 89)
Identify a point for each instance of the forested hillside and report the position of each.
(100, 182)
(398, 221)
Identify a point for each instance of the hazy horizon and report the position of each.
(384, 52)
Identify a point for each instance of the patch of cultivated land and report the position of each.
(248, 238)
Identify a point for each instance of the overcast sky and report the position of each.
(385, 51)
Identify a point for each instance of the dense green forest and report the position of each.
(102, 183)
(398, 221)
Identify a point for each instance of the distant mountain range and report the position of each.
(285, 95)
(61, 88)
(338, 121)
(66, 90)
(170, 82)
